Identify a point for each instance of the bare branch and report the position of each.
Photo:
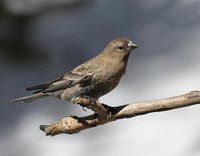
(73, 124)
(94, 105)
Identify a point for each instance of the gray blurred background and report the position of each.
(42, 39)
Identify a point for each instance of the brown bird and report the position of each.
(91, 79)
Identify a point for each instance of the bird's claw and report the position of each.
(92, 100)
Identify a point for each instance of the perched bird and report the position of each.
(93, 78)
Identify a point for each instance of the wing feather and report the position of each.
(61, 83)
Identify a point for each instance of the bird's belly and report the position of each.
(103, 85)
(100, 90)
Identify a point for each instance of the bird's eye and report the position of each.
(120, 48)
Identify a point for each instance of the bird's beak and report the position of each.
(132, 45)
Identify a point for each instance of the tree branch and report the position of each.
(74, 124)
(94, 105)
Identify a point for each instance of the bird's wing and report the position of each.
(82, 75)
(63, 82)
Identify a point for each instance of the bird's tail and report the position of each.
(30, 97)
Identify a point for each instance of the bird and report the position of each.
(93, 79)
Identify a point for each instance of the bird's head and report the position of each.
(122, 45)
(120, 48)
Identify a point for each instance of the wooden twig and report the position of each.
(73, 124)
(94, 105)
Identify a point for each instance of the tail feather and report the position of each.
(30, 97)
(38, 87)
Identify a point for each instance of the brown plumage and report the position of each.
(93, 78)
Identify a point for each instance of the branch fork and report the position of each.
(104, 113)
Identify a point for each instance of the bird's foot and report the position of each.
(82, 100)
(100, 111)
(91, 100)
